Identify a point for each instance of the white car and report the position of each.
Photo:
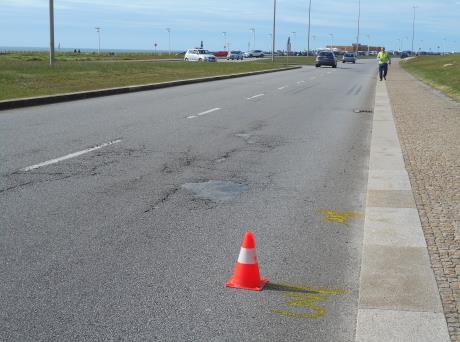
(254, 53)
(199, 55)
(235, 55)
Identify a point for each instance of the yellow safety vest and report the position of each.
(383, 57)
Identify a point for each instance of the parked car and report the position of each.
(220, 53)
(254, 53)
(235, 55)
(326, 58)
(199, 55)
(349, 58)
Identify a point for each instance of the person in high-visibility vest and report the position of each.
(384, 59)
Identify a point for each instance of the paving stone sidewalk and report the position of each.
(428, 126)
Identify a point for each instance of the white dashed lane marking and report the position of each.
(69, 156)
(255, 96)
(203, 113)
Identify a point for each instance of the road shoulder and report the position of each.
(399, 298)
(428, 124)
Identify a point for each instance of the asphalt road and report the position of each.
(134, 240)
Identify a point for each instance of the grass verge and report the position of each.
(441, 72)
(21, 78)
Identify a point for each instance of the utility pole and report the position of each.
(357, 36)
(51, 9)
(169, 39)
(308, 39)
(253, 38)
(98, 30)
(413, 30)
(225, 41)
(274, 29)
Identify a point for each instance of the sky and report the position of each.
(140, 24)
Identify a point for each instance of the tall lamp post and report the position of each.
(332, 41)
(357, 35)
(51, 9)
(253, 37)
(98, 30)
(274, 29)
(413, 30)
(225, 41)
(169, 39)
(308, 35)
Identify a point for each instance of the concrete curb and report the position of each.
(41, 100)
(398, 299)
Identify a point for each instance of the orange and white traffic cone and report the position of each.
(246, 274)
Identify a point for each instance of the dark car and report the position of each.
(404, 54)
(326, 58)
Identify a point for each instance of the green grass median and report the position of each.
(29, 74)
(441, 72)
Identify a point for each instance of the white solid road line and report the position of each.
(253, 97)
(69, 156)
(283, 87)
(203, 113)
(300, 82)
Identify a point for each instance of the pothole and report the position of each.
(217, 191)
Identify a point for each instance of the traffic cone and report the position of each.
(246, 274)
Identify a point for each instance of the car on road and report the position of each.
(349, 58)
(405, 54)
(254, 53)
(326, 58)
(199, 55)
(220, 53)
(235, 55)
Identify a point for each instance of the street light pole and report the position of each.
(51, 9)
(357, 36)
(273, 33)
(308, 39)
(98, 30)
(225, 41)
(332, 41)
(413, 30)
(169, 39)
(253, 38)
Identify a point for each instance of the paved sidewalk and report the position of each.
(399, 298)
(428, 126)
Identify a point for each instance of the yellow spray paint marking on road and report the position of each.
(340, 217)
(304, 298)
